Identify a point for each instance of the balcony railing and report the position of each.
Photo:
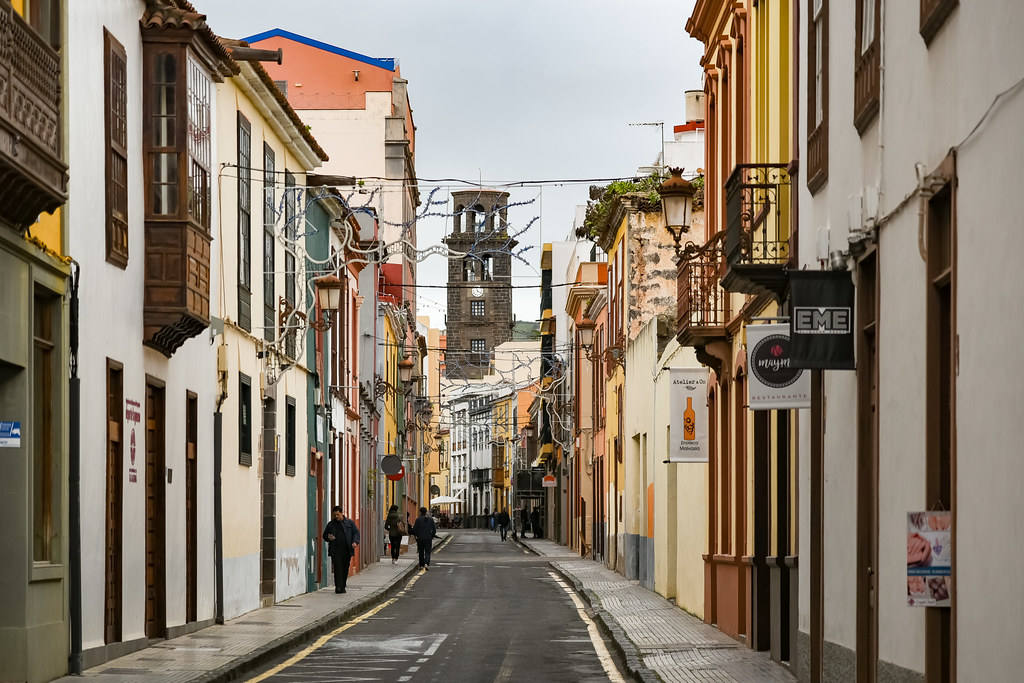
(33, 177)
(701, 303)
(757, 214)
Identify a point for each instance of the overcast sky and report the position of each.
(511, 90)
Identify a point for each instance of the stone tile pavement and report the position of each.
(657, 640)
(225, 652)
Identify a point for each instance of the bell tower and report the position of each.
(479, 282)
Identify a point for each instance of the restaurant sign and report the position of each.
(774, 383)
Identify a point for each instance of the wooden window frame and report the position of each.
(113, 609)
(245, 421)
(244, 140)
(199, 93)
(941, 367)
(175, 147)
(269, 219)
(867, 75)
(291, 275)
(933, 17)
(290, 427)
(817, 131)
(46, 472)
(115, 126)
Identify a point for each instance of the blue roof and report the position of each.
(381, 62)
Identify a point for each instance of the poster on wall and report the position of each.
(132, 416)
(929, 558)
(688, 403)
(773, 382)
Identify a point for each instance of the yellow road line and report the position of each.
(322, 640)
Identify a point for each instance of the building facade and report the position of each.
(35, 394)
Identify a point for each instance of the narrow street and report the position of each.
(485, 611)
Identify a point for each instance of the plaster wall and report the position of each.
(111, 327)
(932, 98)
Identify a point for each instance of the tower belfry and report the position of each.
(479, 282)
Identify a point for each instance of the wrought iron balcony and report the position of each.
(701, 303)
(757, 214)
(33, 177)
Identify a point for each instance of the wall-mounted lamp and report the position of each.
(677, 204)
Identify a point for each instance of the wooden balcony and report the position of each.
(33, 177)
(176, 303)
(757, 214)
(702, 306)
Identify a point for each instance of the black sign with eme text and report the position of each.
(821, 319)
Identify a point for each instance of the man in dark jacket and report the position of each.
(342, 536)
(424, 530)
(503, 521)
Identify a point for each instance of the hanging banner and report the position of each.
(773, 383)
(929, 558)
(688, 404)
(821, 319)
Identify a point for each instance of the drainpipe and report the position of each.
(74, 485)
(218, 506)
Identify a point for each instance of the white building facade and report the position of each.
(147, 367)
(911, 132)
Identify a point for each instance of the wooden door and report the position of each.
(191, 503)
(115, 517)
(155, 514)
(867, 473)
(319, 517)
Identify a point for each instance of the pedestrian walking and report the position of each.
(535, 522)
(396, 529)
(424, 530)
(342, 536)
(503, 521)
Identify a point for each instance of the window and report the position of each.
(44, 17)
(470, 269)
(163, 146)
(244, 223)
(291, 232)
(479, 349)
(867, 70)
(199, 144)
(486, 267)
(269, 218)
(817, 96)
(244, 420)
(115, 72)
(933, 16)
(289, 435)
(476, 309)
(46, 484)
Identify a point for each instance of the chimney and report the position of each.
(694, 105)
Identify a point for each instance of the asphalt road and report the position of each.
(486, 611)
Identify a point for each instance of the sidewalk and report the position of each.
(226, 652)
(657, 640)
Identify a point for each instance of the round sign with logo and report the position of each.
(770, 362)
(549, 481)
(397, 475)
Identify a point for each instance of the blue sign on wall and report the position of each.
(10, 435)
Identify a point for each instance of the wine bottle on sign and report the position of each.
(689, 421)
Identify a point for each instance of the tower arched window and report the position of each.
(479, 219)
(457, 220)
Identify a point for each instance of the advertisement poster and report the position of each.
(929, 558)
(132, 416)
(10, 434)
(689, 406)
(774, 383)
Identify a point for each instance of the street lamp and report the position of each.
(328, 297)
(405, 370)
(677, 204)
(586, 329)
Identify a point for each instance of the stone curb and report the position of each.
(625, 647)
(266, 653)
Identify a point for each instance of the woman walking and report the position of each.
(396, 529)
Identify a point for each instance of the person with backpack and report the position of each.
(396, 530)
(424, 530)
